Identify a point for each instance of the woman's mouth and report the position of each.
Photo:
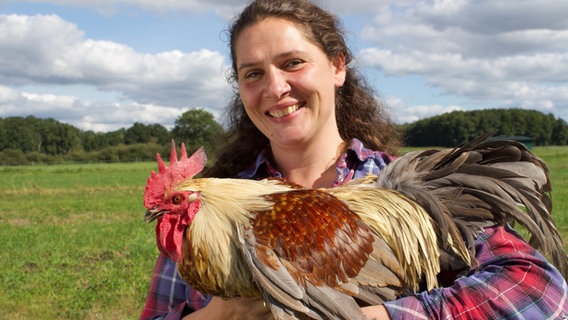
(284, 112)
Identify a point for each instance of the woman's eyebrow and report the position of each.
(280, 56)
(245, 65)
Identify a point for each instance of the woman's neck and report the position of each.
(311, 166)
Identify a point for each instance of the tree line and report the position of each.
(453, 128)
(28, 140)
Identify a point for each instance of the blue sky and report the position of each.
(104, 64)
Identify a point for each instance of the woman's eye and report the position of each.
(252, 74)
(177, 199)
(293, 64)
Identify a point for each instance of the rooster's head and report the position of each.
(171, 202)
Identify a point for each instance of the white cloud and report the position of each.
(511, 52)
(48, 50)
(500, 53)
(45, 50)
(225, 8)
(355, 6)
(124, 115)
(401, 113)
(84, 114)
(222, 7)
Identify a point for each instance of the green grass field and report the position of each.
(74, 242)
(75, 246)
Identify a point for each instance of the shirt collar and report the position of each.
(261, 169)
(355, 154)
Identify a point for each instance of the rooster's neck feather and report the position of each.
(226, 205)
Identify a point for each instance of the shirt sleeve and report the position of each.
(513, 281)
(169, 297)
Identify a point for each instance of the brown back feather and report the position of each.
(310, 249)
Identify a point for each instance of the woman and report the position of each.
(303, 114)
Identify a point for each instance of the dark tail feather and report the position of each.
(479, 184)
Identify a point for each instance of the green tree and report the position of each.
(57, 138)
(451, 129)
(3, 135)
(113, 138)
(560, 132)
(142, 133)
(138, 133)
(90, 141)
(22, 134)
(160, 134)
(197, 128)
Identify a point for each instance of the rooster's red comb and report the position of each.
(177, 171)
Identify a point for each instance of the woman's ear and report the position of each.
(340, 70)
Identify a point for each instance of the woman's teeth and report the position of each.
(283, 112)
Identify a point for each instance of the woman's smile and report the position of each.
(282, 112)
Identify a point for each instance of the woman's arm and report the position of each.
(513, 279)
(169, 297)
(236, 308)
(376, 312)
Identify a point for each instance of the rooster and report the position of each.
(322, 253)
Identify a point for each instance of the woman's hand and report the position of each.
(235, 308)
(254, 308)
(376, 312)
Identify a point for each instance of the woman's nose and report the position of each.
(277, 85)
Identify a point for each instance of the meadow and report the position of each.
(74, 242)
(75, 245)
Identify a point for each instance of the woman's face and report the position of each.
(286, 82)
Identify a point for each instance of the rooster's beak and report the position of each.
(153, 214)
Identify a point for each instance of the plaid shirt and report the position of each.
(513, 281)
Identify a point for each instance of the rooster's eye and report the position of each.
(177, 199)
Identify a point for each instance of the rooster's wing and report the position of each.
(311, 256)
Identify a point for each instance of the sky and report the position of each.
(103, 65)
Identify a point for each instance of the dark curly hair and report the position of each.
(360, 114)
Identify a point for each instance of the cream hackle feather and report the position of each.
(227, 205)
(405, 226)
